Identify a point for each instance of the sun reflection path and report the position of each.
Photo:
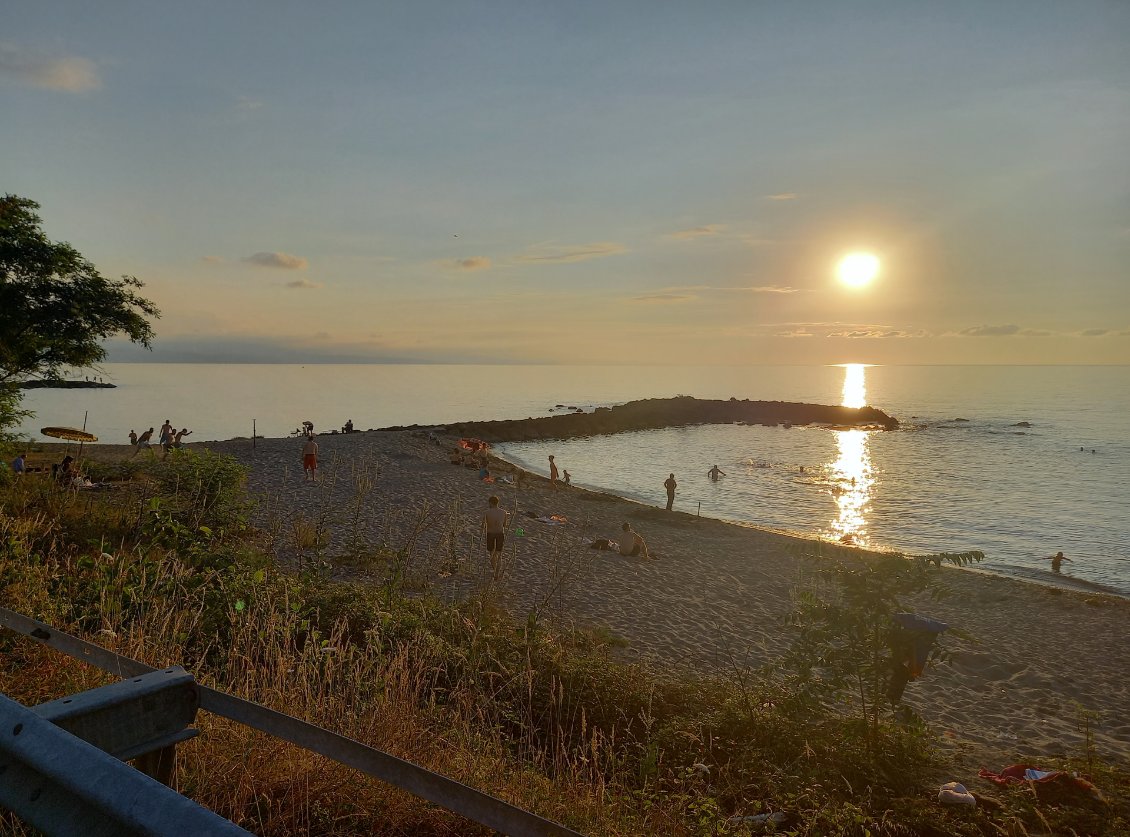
(852, 474)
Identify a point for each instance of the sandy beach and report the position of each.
(717, 595)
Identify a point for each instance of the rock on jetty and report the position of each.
(52, 383)
(654, 413)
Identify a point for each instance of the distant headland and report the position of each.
(655, 413)
(59, 383)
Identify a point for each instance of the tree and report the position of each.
(55, 307)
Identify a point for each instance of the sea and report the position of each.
(1019, 462)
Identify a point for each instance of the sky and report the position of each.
(589, 183)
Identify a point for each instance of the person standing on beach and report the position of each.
(166, 433)
(552, 473)
(132, 438)
(670, 485)
(310, 459)
(568, 479)
(494, 524)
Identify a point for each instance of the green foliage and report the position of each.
(10, 413)
(57, 308)
(847, 646)
(203, 488)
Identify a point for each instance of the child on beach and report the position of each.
(568, 478)
(1056, 560)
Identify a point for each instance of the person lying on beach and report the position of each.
(1056, 560)
(632, 544)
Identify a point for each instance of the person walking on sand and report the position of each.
(568, 479)
(670, 485)
(716, 472)
(632, 544)
(132, 438)
(494, 524)
(310, 459)
(166, 433)
(1056, 560)
(552, 473)
(180, 434)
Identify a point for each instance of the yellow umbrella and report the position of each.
(71, 434)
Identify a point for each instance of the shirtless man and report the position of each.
(310, 459)
(552, 472)
(494, 524)
(670, 485)
(716, 472)
(632, 544)
(143, 441)
(166, 433)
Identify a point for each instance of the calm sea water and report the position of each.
(964, 473)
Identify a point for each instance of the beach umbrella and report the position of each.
(71, 434)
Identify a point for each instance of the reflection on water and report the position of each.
(852, 474)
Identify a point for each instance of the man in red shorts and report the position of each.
(310, 459)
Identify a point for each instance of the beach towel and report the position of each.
(1048, 784)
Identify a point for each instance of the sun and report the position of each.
(858, 270)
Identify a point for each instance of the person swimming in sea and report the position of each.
(715, 472)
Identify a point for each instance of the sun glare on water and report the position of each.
(857, 270)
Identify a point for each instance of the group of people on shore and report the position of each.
(169, 439)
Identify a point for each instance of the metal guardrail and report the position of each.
(434, 787)
(65, 787)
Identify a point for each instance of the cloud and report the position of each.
(1036, 332)
(70, 74)
(663, 298)
(212, 259)
(874, 333)
(546, 254)
(284, 261)
(800, 332)
(246, 103)
(303, 283)
(472, 263)
(746, 289)
(783, 196)
(699, 232)
(990, 331)
(1094, 332)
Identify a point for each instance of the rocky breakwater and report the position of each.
(655, 413)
